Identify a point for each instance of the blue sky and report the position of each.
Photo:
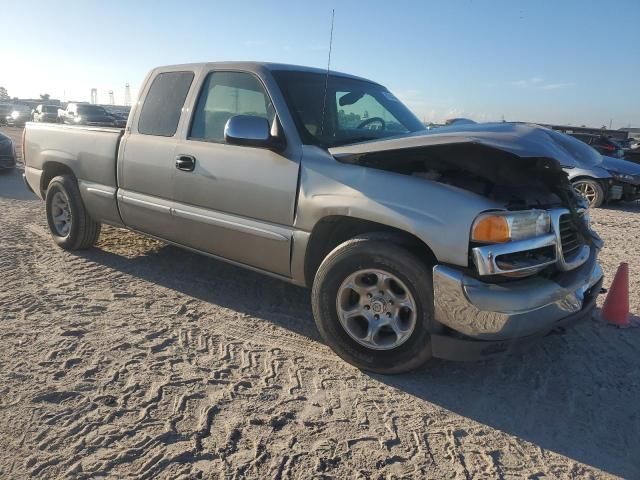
(558, 61)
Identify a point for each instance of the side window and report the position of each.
(223, 95)
(163, 104)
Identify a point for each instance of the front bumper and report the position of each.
(627, 191)
(488, 316)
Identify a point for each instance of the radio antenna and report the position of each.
(326, 80)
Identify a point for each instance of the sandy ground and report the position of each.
(136, 359)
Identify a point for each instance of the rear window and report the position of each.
(162, 107)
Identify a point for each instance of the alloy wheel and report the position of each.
(61, 214)
(376, 309)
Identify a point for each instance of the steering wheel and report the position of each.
(371, 120)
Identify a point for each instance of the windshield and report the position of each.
(86, 109)
(50, 109)
(354, 110)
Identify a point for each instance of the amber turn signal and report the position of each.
(491, 229)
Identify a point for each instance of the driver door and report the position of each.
(235, 201)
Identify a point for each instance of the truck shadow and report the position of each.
(12, 187)
(218, 283)
(568, 393)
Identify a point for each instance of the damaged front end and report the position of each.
(532, 262)
(516, 166)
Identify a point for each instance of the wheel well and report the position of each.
(53, 169)
(585, 177)
(331, 231)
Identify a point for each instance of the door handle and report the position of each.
(186, 163)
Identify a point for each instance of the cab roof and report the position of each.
(258, 67)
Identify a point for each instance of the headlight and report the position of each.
(77, 119)
(622, 176)
(15, 114)
(500, 227)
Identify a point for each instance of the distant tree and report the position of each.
(3, 94)
(44, 97)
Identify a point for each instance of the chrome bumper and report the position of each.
(487, 258)
(489, 311)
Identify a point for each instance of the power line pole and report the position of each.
(127, 95)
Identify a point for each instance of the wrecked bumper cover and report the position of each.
(493, 318)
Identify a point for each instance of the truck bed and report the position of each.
(89, 152)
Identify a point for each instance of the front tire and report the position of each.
(71, 226)
(373, 305)
(590, 190)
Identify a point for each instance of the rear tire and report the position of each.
(399, 349)
(590, 190)
(71, 226)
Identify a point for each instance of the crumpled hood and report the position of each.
(523, 140)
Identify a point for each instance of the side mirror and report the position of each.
(249, 131)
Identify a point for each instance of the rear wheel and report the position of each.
(373, 305)
(69, 223)
(590, 190)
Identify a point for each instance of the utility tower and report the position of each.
(127, 95)
(94, 95)
(111, 100)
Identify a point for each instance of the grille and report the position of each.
(571, 241)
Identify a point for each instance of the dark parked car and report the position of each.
(609, 181)
(120, 114)
(87, 114)
(7, 153)
(19, 115)
(601, 143)
(626, 179)
(632, 152)
(46, 113)
(5, 109)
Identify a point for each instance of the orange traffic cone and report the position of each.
(616, 306)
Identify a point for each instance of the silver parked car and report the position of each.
(46, 113)
(458, 243)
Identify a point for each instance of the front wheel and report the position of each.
(590, 190)
(373, 305)
(69, 223)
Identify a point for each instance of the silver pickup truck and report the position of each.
(457, 243)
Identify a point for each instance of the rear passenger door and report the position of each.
(236, 202)
(147, 159)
